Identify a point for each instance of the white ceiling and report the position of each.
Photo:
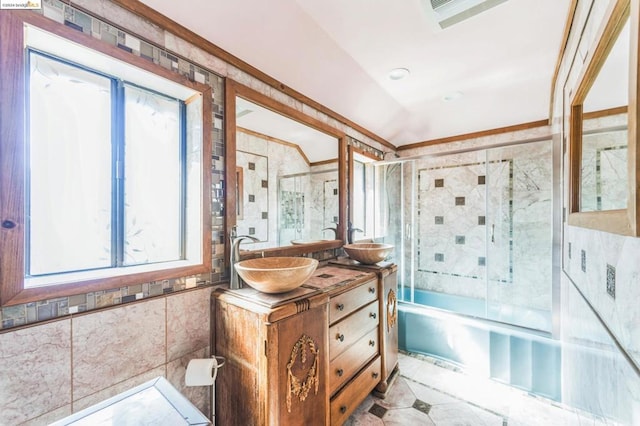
(339, 53)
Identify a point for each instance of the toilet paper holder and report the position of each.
(203, 371)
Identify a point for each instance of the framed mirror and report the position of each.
(285, 175)
(603, 134)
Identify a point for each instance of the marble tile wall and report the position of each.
(610, 389)
(484, 215)
(50, 370)
(254, 218)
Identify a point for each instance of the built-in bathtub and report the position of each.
(524, 358)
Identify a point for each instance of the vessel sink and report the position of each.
(276, 274)
(368, 253)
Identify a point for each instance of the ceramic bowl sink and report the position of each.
(368, 253)
(276, 274)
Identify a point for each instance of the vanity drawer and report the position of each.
(343, 304)
(345, 333)
(349, 398)
(345, 366)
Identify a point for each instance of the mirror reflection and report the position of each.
(603, 163)
(287, 179)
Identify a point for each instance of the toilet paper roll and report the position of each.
(201, 372)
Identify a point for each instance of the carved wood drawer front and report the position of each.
(343, 304)
(347, 364)
(348, 399)
(348, 331)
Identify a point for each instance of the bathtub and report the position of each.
(453, 330)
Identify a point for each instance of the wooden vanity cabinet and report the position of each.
(276, 354)
(354, 347)
(387, 276)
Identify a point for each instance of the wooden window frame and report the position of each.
(12, 161)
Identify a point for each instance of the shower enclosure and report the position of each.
(474, 237)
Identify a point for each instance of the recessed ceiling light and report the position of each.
(398, 73)
(452, 96)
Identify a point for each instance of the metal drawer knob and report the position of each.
(343, 409)
(375, 375)
(340, 372)
(340, 306)
(373, 315)
(340, 337)
(372, 290)
(372, 342)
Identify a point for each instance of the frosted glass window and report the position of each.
(153, 178)
(114, 173)
(69, 182)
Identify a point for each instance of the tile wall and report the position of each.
(481, 217)
(52, 369)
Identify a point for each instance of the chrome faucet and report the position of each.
(334, 229)
(351, 231)
(234, 256)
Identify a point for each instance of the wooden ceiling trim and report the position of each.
(483, 133)
(170, 25)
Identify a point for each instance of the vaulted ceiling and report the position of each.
(497, 65)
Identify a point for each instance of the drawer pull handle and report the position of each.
(343, 409)
(340, 372)
(373, 315)
(340, 306)
(372, 342)
(375, 375)
(372, 290)
(340, 337)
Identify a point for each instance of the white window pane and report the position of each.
(69, 203)
(152, 178)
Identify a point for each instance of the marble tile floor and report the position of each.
(431, 392)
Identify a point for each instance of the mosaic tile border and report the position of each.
(364, 147)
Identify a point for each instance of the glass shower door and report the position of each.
(519, 215)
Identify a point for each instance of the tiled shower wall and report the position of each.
(484, 218)
(483, 222)
(601, 273)
(62, 355)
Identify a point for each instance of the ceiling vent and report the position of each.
(445, 13)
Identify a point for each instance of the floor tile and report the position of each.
(432, 392)
(405, 417)
(401, 397)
